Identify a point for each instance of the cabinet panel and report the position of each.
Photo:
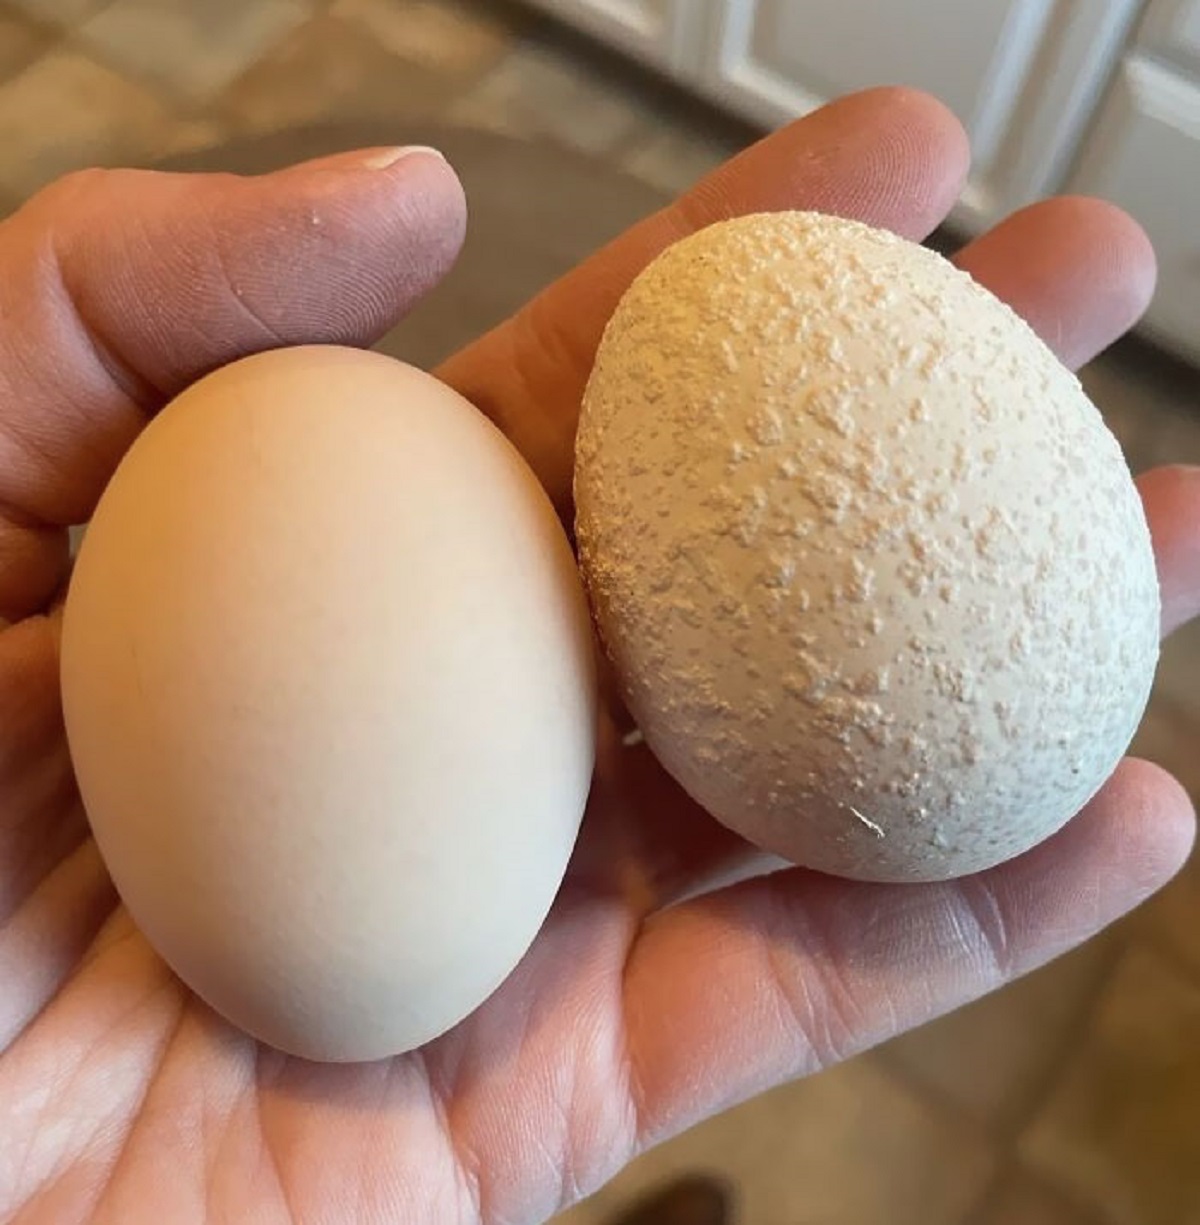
(654, 31)
(778, 58)
(1172, 30)
(1022, 75)
(1144, 154)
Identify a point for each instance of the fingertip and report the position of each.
(375, 190)
(892, 156)
(387, 157)
(919, 162)
(1123, 847)
(1131, 266)
(1171, 500)
(420, 166)
(932, 149)
(1080, 270)
(920, 109)
(417, 184)
(1158, 821)
(340, 248)
(425, 170)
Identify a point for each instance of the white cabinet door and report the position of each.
(658, 32)
(1144, 154)
(1172, 30)
(1022, 75)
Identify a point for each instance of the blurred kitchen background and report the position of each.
(1073, 1098)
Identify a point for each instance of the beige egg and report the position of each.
(328, 681)
(871, 569)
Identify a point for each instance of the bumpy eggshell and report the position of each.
(328, 681)
(872, 570)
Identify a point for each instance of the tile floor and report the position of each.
(1072, 1098)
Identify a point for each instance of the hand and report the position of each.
(121, 1097)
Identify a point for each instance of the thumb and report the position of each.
(119, 288)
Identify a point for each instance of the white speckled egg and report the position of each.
(872, 571)
(328, 679)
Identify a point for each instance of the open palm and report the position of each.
(678, 972)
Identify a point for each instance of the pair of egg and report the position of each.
(873, 575)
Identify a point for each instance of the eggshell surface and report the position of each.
(872, 570)
(328, 684)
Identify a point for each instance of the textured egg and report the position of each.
(872, 571)
(328, 680)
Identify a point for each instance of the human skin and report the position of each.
(675, 976)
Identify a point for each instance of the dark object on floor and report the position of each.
(536, 209)
(694, 1200)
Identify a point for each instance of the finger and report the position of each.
(779, 977)
(125, 286)
(1080, 271)
(891, 157)
(1171, 497)
(40, 818)
(42, 941)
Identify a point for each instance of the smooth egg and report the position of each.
(329, 691)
